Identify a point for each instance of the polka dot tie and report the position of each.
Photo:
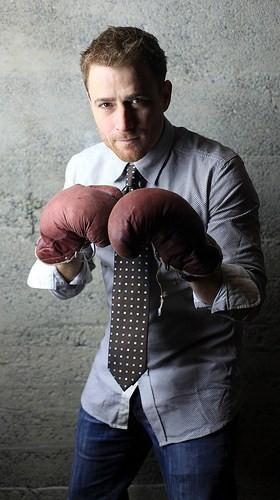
(127, 358)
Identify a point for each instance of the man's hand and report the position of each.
(169, 222)
(73, 219)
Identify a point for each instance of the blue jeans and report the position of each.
(106, 460)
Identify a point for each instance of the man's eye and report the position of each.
(105, 105)
(139, 101)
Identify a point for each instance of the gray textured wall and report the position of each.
(224, 64)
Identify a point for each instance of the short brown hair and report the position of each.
(118, 46)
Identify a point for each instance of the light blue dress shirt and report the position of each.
(192, 384)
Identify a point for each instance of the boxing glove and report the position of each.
(168, 221)
(73, 219)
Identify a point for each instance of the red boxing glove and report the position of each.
(74, 218)
(169, 222)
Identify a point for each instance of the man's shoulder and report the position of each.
(90, 153)
(88, 166)
(189, 142)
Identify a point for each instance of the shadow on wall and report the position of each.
(258, 461)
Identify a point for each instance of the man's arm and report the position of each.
(234, 224)
(206, 289)
(71, 220)
(223, 266)
(77, 275)
(70, 269)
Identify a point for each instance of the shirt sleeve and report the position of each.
(239, 294)
(234, 224)
(47, 277)
(65, 290)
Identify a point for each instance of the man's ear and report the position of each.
(165, 93)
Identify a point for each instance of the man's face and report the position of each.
(128, 108)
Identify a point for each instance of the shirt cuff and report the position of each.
(47, 277)
(238, 291)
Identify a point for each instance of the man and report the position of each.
(185, 402)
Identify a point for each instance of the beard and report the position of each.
(128, 149)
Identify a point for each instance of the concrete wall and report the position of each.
(224, 63)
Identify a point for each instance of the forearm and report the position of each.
(48, 277)
(70, 269)
(239, 296)
(207, 288)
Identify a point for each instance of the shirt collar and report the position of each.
(150, 165)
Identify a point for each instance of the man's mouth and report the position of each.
(128, 139)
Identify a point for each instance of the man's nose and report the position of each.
(125, 119)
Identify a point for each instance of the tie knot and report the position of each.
(134, 179)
